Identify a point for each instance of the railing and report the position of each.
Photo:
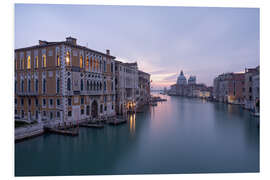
(27, 93)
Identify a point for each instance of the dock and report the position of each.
(92, 125)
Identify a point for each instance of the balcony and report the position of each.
(27, 93)
(71, 93)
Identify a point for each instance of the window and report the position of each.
(87, 111)
(44, 113)
(51, 115)
(104, 85)
(29, 102)
(44, 60)
(36, 62)
(58, 114)
(22, 85)
(36, 101)
(44, 86)
(36, 114)
(69, 113)
(69, 101)
(58, 60)
(58, 102)
(105, 108)
(15, 86)
(44, 102)
(29, 85)
(87, 85)
(82, 111)
(87, 63)
(112, 106)
(22, 63)
(104, 66)
(101, 108)
(36, 88)
(22, 102)
(57, 85)
(82, 100)
(51, 102)
(105, 99)
(250, 89)
(81, 62)
(15, 100)
(68, 58)
(68, 84)
(91, 64)
(28, 62)
(22, 113)
(81, 84)
(111, 67)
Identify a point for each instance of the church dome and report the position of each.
(181, 80)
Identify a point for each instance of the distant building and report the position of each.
(181, 80)
(249, 74)
(192, 89)
(192, 80)
(229, 88)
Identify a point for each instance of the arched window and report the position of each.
(81, 84)
(68, 84)
(104, 85)
(36, 85)
(44, 60)
(87, 63)
(28, 62)
(91, 63)
(29, 85)
(91, 85)
(22, 63)
(22, 85)
(58, 85)
(44, 85)
(68, 58)
(15, 86)
(87, 85)
(36, 62)
(81, 62)
(94, 86)
(100, 85)
(58, 60)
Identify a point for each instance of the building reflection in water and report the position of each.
(132, 123)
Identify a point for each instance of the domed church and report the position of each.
(181, 80)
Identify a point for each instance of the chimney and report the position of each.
(107, 51)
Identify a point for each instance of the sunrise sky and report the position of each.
(200, 41)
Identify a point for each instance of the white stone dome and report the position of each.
(181, 80)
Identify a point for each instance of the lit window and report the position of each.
(36, 61)
(91, 63)
(87, 63)
(81, 62)
(58, 60)
(68, 59)
(28, 62)
(44, 60)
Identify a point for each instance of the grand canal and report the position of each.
(180, 135)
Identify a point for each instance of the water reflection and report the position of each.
(132, 123)
(181, 135)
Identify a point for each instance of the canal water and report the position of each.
(181, 135)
